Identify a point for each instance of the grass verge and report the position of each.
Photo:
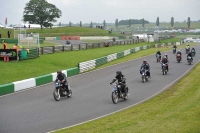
(45, 64)
(174, 111)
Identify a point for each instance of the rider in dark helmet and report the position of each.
(62, 77)
(179, 52)
(159, 54)
(121, 80)
(189, 54)
(146, 66)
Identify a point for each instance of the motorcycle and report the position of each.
(164, 69)
(117, 93)
(193, 53)
(61, 92)
(157, 57)
(144, 75)
(189, 60)
(174, 50)
(178, 58)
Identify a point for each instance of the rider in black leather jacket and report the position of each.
(121, 80)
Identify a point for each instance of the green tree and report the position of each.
(60, 24)
(188, 22)
(104, 24)
(157, 22)
(70, 24)
(129, 22)
(80, 23)
(91, 25)
(116, 23)
(172, 21)
(41, 12)
(143, 22)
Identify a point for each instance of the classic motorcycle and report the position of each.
(144, 75)
(164, 68)
(61, 92)
(174, 50)
(117, 92)
(189, 60)
(157, 57)
(193, 53)
(178, 58)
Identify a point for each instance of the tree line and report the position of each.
(43, 13)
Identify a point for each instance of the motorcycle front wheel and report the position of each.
(114, 97)
(56, 95)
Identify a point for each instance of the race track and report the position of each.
(36, 111)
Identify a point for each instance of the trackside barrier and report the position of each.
(85, 66)
(32, 82)
(167, 44)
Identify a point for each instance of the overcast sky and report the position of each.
(108, 10)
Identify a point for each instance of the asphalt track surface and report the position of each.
(36, 111)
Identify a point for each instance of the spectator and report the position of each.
(29, 26)
(9, 33)
(5, 45)
(0, 34)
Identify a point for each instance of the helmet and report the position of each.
(118, 72)
(59, 72)
(158, 51)
(179, 51)
(144, 61)
(188, 45)
(193, 48)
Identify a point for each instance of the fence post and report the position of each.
(71, 47)
(86, 45)
(79, 46)
(42, 50)
(63, 47)
(92, 45)
(53, 50)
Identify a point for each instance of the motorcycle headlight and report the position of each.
(119, 86)
(56, 85)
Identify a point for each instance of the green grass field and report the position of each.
(64, 31)
(177, 110)
(49, 63)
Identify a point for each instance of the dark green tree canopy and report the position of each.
(133, 21)
(41, 12)
(157, 21)
(172, 21)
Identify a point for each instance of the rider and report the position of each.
(188, 47)
(166, 62)
(175, 47)
(159, 54)
(179, 52)
(62, 77)
(122, 80)
(193, 50)
(189, 54)
(166, 56)
(146, 66)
